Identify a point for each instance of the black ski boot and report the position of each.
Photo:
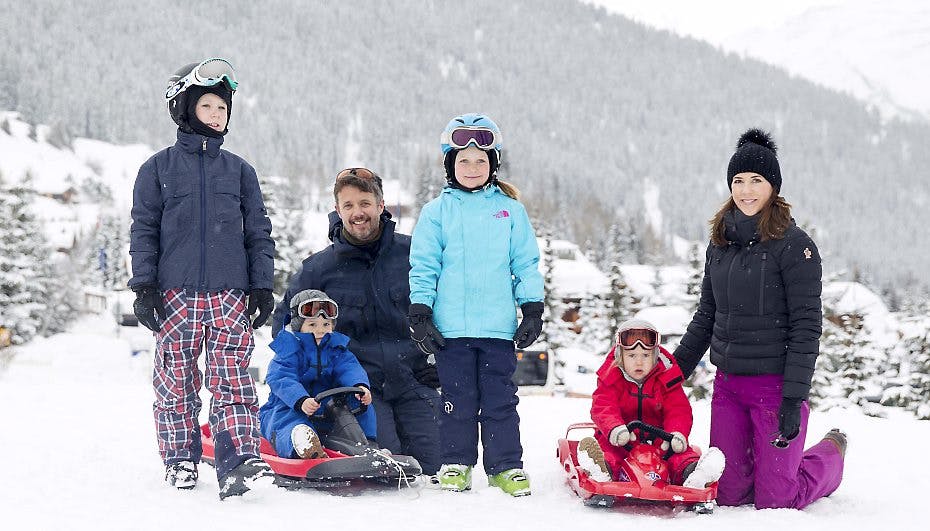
(182, 475)
(253, 473)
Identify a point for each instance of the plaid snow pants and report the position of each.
(218, 322)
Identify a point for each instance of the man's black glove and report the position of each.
(789, 418)
(423, 331)
(263, 301)
(531, 325)
(428, 376)
(148, 306)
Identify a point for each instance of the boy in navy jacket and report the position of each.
(202, 263)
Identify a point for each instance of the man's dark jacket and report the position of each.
(760, 308)
(373, 294)
(198, 221)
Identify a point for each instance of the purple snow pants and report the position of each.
(743, 422)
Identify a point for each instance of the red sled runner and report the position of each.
(353, 459)
(646, 468)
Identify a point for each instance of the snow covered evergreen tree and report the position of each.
(283, 203)
(918, 349)
(110, 244)
(622, 302)
(27, 283)
(695, 277)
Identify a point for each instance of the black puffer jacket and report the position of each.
(760, 309)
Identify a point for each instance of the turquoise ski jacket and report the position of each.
(473, 259)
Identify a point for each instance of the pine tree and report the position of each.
(26, 280)
(552, 323)
(282, 202)
(695, 277)
(110, 244)
(622, 302)
(919, 382)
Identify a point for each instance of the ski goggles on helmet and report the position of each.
(644, 337)
(462, 137)
(311, 309)
(207, 74)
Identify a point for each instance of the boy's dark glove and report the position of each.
(148, 307)
(422, 330)
(428, 376)
(531, 325)
(789, 417)
(263, 301)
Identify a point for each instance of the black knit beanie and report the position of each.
(448, 163)
(756, 153)
(193, 96)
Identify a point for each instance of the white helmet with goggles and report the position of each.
(311, 303)
(637, 332)
(208, 73)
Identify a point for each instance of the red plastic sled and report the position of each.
(359, 461)
(645, 484)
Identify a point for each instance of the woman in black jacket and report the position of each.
(760, 314)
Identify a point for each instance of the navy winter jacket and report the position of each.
(373, 296)
(198, 221)
(760, 308)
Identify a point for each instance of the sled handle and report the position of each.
(580, 426)
(341, 393)
(654, 430)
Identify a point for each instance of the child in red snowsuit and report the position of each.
(640, 380)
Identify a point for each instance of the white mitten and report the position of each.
(679, 443)
(620, 436)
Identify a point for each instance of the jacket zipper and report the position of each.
(203, 215)
(319, 363)
(726, 350)
(762, 285)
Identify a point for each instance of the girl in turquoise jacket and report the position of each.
(473, 260)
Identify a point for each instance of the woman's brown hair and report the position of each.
(774, 220)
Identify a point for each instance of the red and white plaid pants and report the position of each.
(216, 323)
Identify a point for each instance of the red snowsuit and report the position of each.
(659, 401)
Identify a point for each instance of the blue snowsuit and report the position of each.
(301, 368)
(473, 258)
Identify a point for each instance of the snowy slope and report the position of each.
(81, 454)
(875, 50)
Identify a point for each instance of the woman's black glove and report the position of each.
(531, 326)
(423, 331)
(262, 300)
(789, 418)
(148, 307)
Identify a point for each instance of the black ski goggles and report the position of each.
(644, 337)
(311, 309)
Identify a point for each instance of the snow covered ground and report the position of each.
(80, 453)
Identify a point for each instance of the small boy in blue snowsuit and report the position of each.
(310, 359)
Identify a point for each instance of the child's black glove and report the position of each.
(789, 418)
(422, 330)
(263, 301)
(531, 325)
(148, 306)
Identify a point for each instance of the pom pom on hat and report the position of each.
(756, 152)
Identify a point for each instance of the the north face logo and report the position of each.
(502, 214)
